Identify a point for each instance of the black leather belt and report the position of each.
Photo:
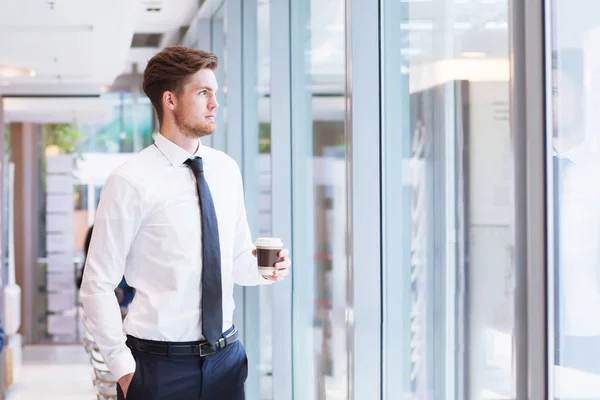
(201, 349)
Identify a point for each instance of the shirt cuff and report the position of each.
(122, 365)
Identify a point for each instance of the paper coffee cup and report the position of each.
(267, 253)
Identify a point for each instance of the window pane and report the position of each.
(127, 130)
(448, 201)
(264, 195)
(575, 196)
(219, 47)
(319, 206)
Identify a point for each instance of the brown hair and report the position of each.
(171, 69)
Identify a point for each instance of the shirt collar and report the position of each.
(174, 153)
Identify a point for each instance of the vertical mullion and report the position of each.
(536, 202)
(249, 125)
(396, 145)
(528, 127)
(281, 193)
(518, 129)
(303, 200)
(234, 145)
(235, 84)
(203, 40)
(363, 135)
(217, 45)
(551, 227)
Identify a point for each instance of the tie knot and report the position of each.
(195, 164)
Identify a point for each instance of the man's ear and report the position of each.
(169, 100)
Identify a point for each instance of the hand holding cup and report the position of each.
(272, 258)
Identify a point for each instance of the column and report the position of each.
(24, 151)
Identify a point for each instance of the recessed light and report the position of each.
(8, 71)
(153, 9)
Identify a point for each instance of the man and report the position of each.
(173, 221)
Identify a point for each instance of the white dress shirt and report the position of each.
(148, 228)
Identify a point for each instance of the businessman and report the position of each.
(173, 221)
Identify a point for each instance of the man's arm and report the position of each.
(116, 223)
(245, 266)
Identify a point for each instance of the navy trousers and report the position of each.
(220, 376)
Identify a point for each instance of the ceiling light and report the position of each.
(49, 28)
(7, 71)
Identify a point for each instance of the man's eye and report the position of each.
(203, 92)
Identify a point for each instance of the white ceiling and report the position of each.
(80, 46)
(173, 15)
(77, 42)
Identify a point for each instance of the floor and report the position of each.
(54, 373)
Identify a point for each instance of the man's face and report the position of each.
(195, 109)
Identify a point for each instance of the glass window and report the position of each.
(219, 47)
(320, 355)
(574, 206)
(264, 188)
(128, 130)
(448, 201)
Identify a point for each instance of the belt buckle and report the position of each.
(206, 349)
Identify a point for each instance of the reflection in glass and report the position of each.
(574, 194)
(448, 201)
(319, 178)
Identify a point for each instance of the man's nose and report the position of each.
(214, 103)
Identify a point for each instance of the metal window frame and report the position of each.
(242, 145)
(551, 241)
(364, 182)
(281, 195)
(396, 286)
(217, 43)
(528, 122)
(302, 204)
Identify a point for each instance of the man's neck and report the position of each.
(175, 136)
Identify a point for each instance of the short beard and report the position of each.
(194, 131)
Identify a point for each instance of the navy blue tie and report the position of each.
(211, 303)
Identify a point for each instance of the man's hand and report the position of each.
(124, 382)
(282, 268)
